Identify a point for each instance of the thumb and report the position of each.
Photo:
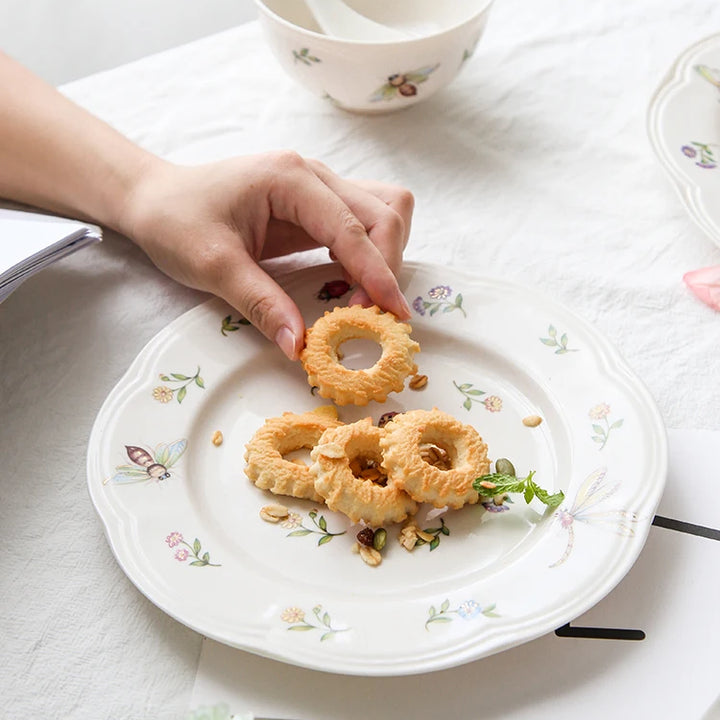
(249, 289)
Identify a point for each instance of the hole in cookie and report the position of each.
(368, 467)
(299, 456)
(437, 455)
(359, 353)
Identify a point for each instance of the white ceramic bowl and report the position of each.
(373, 77)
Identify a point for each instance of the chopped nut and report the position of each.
(379, 539)
(370, 555)
(418, 382)
(426, 536)
(408, 536)
(488, 485)
(532, 420)
(217, 438)
(274, 513)
(355, 548)
(330, 450)
(435, 455)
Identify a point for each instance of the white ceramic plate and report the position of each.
(494, 353)
(684, 128)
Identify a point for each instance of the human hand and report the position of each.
(208, 226)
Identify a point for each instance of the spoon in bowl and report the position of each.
(339, 20)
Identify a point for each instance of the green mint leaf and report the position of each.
(552, 501)
(501, 484)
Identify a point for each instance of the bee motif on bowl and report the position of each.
(403, 84)
(149, 465)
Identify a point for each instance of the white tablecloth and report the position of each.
(533, 166)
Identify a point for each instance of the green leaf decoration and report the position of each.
(598, 429)
(445, 606)
(206, 557)
(326, 635)
(322, 523)
(434, 309)
(616, 424)
(441, 619)
(475, 392)
(467, 404)
(552, 332)
(178, 376)
(431, 612)
(434, 543)
(182, 392)
(325, 539)
(548, 341)
(199, 563)
(301, 628)
(165, 378)
(199, 382)
(326, 620)
(465, 386)
(299, 533)
(196, 546)
(445, 530)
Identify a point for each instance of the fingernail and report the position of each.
(404, 304)
(285, 340)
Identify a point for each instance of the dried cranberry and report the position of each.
(366, 536)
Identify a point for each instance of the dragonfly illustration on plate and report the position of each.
(712, 75)
(592, 492)
(149, 465)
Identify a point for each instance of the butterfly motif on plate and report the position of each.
(592, 493)
(149, 464)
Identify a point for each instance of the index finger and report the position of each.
(303, 198)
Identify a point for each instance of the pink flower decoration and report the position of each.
(173, 539)
(493, 403)
(181, 554)
(705, 283)
(599, 412)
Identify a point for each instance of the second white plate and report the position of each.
(684, 129)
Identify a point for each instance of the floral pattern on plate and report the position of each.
(439, 299)
(466, 610)
(175, 539)
(488, 553)
(320, 620)
(164, 394)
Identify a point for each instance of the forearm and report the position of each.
(55, 155)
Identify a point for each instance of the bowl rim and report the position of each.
(265, 10)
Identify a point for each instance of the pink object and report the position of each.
(705, 283)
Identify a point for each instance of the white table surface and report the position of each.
(533, 166)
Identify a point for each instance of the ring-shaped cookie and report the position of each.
(267, 467)
(357, 497)
(358, 387)
(409, 433)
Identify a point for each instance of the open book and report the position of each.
(31, 241)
